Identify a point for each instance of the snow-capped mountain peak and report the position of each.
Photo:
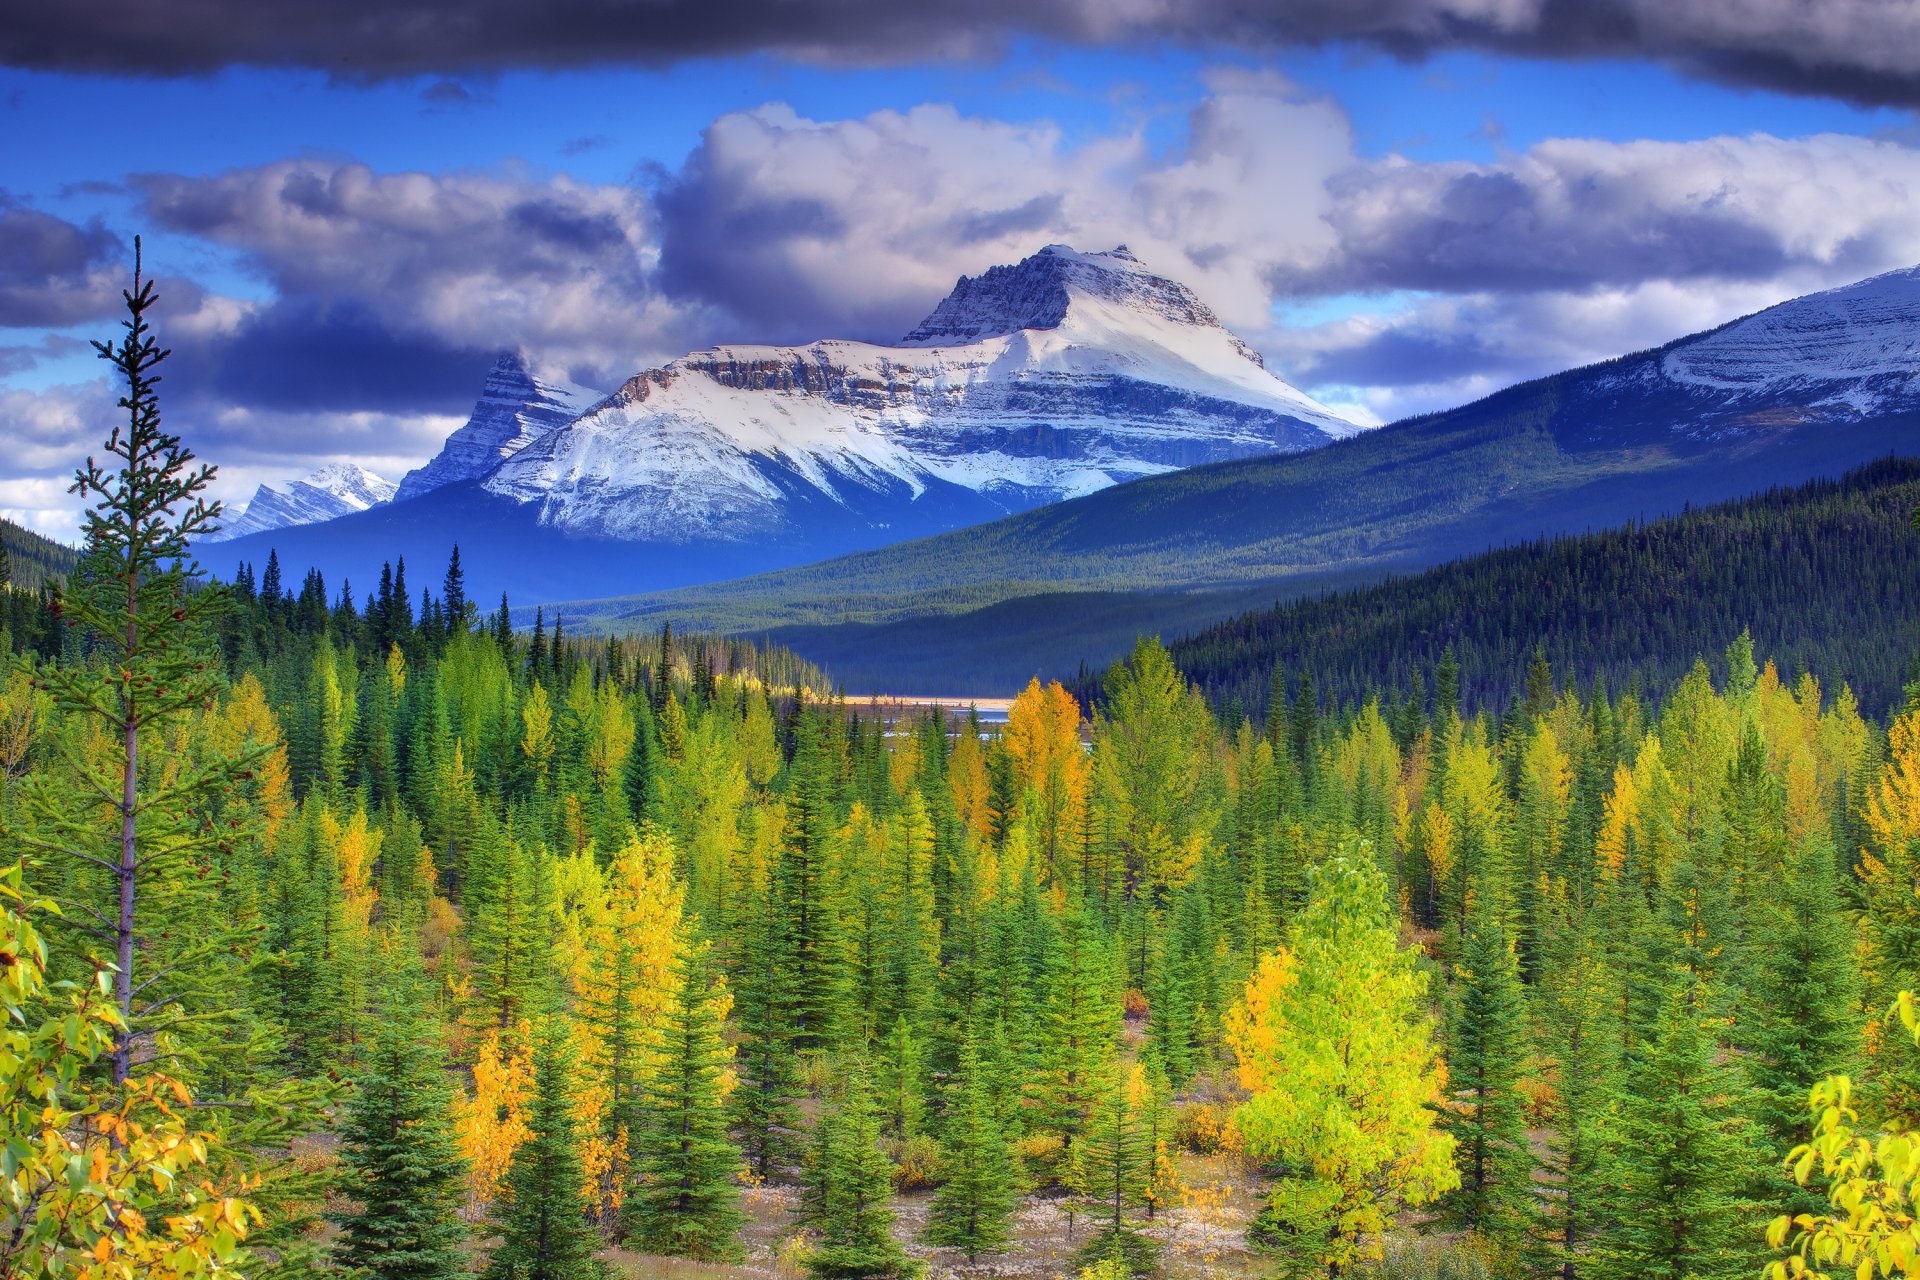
(515, 409)
(337, 489)
(1047, 379)
(1045, 291)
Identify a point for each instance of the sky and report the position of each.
(352, 206)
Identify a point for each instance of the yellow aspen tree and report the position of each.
(1050, 765)
(621, 930)
(491, 1122)
(1335, 1048)
(1890, 864)
(396, 673)
(536, 737)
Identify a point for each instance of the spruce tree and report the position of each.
(1486, 1043)
(972, 1208)
(1114, 1169)
(405, 1172)
(1797, 1027)
(1680, 1153)
(128, 832)
(683, 1200)
(545, 1234)
(1579, 1040)
(850, 1192)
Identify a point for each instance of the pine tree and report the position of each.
(683, 1200)
(1486, 1041)
(971, 1210)
(1680, 1153)
(1115, 1169)
(1579, 1043)
(453, 594)
(545, 1234)
(1798, 1029)
(850, 1192)
(405, 1171)
(1334, 1047)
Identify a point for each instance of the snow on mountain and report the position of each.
(336, 490)
(513, 411)
(1853, 351)
(1049, 379)
(1839, 356)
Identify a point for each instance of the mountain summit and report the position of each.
(336, 490)
(1058, 376)
(513, 411)
(1050, 378)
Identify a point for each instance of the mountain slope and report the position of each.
(1060, 375)
(1826, 577)
(1807, 389)
(336, 490)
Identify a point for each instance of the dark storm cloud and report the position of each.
(54, 272)
(460, 262)
(1864, 51)
(1401, 358)
(301, 357)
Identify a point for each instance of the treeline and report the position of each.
(1823, 576)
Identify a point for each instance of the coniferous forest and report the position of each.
(380, 939)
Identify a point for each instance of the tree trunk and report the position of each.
(122, 1062)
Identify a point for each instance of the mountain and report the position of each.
(1055, 377)
(1807, 389)
(336, 490)
(1031, 383)
(515, 409)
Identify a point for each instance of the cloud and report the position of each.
(1865, 51)
(438, 267)
(803, 228)
(386, 293)
(54, 272)
(1573, 213)
(1447, 350)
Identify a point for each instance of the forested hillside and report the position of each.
(29, 559)
(384, 942)
(1826, 578)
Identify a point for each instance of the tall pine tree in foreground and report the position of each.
(850, 1192)
(972, 1208)
(404, 1169)
(683, 1198)
(545, 1234)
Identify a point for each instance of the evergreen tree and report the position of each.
(1114, 1170)
(545, 1234)
(683, 1198)
(1579, 1043)
(1797, 1029)
(850, 1192)
(972, 1208)
(1486, 1041)
(405, 1174)
(130, 832)
(1680, 1153)
(453, 594)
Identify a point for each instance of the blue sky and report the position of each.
(1396, 231)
